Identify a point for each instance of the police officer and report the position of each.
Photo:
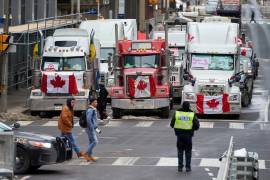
(184, 122)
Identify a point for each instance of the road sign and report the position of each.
(4, 42)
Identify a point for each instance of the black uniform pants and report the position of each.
(184, 145)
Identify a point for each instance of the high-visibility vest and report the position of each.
(183, 120)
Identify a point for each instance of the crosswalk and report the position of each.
(214, 123)
(154, 161)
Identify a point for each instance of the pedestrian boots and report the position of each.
(80, 154)
(89, 158)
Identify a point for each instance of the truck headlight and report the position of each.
(37, 93)
(40, 144)
(234, 97)
(189, 96)
(161, 91)
(118, 91)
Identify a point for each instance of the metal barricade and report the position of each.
(7, 155)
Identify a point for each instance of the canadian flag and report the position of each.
(55, 83)
(142, 86)
(212, 104)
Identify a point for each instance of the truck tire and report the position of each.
(22, 161)
(117, 113)
(165, 112)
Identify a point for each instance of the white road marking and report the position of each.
(24, 123)
(264, 126)
(167, 162)
(144, 124)
(114, 124)
(210, 174)
(209, 162)
(207, 169)
(214, 178)
(261, 164)
(236, 126)
(25, 177)
(206, 125)
(125, 161)
(51, 123)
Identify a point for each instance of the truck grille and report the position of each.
(58, 94)
(211, 90)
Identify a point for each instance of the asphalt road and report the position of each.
(143, 148)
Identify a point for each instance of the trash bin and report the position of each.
(7, 155)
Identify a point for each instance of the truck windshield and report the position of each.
(143, 61)
(63, 64)
(212, 62)
(104, 53)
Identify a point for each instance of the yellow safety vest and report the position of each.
(183, 120)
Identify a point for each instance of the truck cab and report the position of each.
(141, 78)
(212, 65)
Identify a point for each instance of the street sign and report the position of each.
(92, 11)
(4, 42)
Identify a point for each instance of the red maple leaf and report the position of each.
(212, 103)
(141, 85)
(57, 82)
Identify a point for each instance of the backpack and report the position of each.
(83, 119)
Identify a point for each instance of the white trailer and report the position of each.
(65, 65)
(212, 65)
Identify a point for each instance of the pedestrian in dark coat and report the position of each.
(102, 102)
(252, 17)
(184, 122)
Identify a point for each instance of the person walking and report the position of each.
(252, 16)
(92, 129)
(66, 124)
(102, 101)
(184, 122)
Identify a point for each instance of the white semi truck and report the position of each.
(64, 71)
(176, 42)
(212, 68)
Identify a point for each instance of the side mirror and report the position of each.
(16, 125)
(185, 76)
(245, 67)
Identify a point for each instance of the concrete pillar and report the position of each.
(16, 12)
(29, 10)
(41, 9)
(142, 15)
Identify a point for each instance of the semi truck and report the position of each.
(176, 43)
(141, 77)
(64, 71)
(212, 68)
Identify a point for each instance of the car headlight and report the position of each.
(234, 97)
(189, 96)
(37, 93)
(81, 93)
(40, 144)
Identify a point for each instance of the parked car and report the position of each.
(34, 150)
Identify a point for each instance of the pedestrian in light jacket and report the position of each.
(91, 129)
(66, 124)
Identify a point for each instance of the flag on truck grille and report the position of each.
(56, 83)
(212, 104)
(142, 86)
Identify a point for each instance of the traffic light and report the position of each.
(4, 42)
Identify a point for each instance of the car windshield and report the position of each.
(143, 61)
(4, 127)
(63, 64)
(212, 62)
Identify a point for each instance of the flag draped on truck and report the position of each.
(212, 104)
(142, 86)
(56, 83)
(92, 47)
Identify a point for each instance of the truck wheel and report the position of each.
(22, 161)
(165, 112)
(116, 113)
(33, 168)
(246, 99)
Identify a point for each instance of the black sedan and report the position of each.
(34, 150)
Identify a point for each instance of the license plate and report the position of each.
(58, 108)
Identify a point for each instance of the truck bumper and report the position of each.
(55, 104)
(235, 108)
(129, 104)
